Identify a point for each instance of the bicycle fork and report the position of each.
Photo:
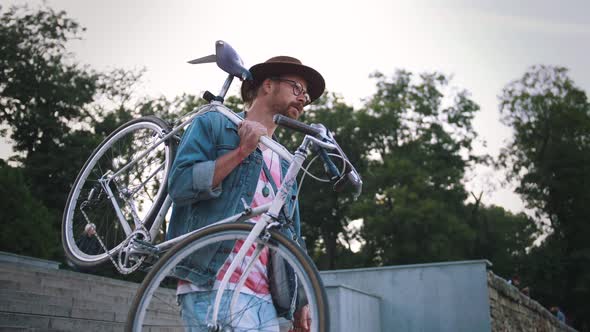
(259, 227)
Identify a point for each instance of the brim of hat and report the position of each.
(315, 81)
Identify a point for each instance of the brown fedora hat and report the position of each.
(284, 65)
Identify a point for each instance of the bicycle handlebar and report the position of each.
(350, 174)
(301, 127)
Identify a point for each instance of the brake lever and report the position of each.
(350, 175)
(324, 134)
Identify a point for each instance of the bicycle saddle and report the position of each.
(227, 59)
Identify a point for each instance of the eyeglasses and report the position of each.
(297, 88)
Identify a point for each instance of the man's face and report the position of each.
(284, 100)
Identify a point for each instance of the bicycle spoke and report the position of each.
(115, 152)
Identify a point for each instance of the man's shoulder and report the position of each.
(213, 116)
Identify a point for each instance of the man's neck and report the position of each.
(263, 116)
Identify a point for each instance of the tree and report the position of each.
(549, 158)
(421, 144)
(58, 110)
(26, 226)
(501, 237)
(325, 214)
(43, 95)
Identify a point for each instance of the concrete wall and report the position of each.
(352, 310)
(511, 310)
(426, 297)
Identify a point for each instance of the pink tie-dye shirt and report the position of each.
(257, 282)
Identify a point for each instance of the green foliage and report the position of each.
(551, 148)
(421, 144)
(326, 214)
(549, 158)
(40, 91)
(412, 143)
(501, 237)
(43, 95)
(58, 111)
(26, 226)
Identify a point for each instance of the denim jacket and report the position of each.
(197, 204)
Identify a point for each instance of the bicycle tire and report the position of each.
(150, 310)
(149, 189)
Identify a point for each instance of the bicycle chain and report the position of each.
(99, 239)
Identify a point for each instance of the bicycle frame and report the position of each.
(269, 211)
(219, 107)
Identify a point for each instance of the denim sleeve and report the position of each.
(191, 176)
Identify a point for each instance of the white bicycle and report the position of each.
(121, 195)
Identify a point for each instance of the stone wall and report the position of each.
(511, 310)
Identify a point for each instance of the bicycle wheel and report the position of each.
(153, 310)
(139, 191)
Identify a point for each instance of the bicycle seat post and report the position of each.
(226, 86)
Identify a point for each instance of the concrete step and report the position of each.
(16, 322)
(91, 314)
(86, 311)
(11, 328)
(36, 298)
(96, 313)
(165, 301)
(18, 295)
(33, 296)
(71, 282)
(74, 284)
(11, 268)
(52, 295)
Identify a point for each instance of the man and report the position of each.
(219, 165)
(88, 242)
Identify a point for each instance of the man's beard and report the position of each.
(288, 112)
(284, 108)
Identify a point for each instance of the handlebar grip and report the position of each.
(350, 177)
(341, 183)
(296, 125)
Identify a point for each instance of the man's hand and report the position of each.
(302, 320)
(250, 133)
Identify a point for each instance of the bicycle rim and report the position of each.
(155, 309)
(139, 191)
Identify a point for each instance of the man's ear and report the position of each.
(266, 86)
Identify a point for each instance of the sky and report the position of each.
(484, 45)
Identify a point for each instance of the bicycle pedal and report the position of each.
(146, 247)
(143, 243)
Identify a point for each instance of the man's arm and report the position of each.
(196, 175)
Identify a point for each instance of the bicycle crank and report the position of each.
(134, 251)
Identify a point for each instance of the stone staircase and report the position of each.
(34, 298)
